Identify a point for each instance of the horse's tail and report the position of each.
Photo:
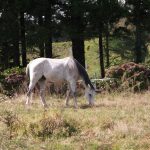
(83, 74)
(27, 71)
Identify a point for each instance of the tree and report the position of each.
(43, 14)
(23, 39)
(115, 12)
(23, 7)
(9, 34)
(48, 26)
(41, 41)
(101, 20)
(138, 12)
(73, 20)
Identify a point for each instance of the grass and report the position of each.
(120, 52)
(116, 122)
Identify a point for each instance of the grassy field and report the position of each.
(116, 122)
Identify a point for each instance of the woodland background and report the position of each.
(35, 25)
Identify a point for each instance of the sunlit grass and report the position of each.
(117, 121)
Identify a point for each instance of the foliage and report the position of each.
(12, 80)
(11, 121)
(14, 70)
(131, 75)
(64, 20)
(138, 14)
(106, 84)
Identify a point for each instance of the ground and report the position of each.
(116, 122)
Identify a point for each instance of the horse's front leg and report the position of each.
(28, 98)
(73, 90)
(75, 100)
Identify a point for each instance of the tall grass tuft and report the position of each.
(11, 121)
(53, 126)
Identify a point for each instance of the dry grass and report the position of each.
(116, 122)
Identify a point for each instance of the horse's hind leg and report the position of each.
(67, 97)
(42, 90)
(31, 86)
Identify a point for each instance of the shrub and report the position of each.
(14, 70)
(12, 123)
(133, 76)
(55, 126)
(11, 81)
(106, 84)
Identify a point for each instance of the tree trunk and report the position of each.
(16, 55)
(77, 38)
(138, 50)
(41, 41)
(101, 58)
(5, 55)
(138, 43)
(16, 51)
(23, 39)
(48, 48)
(41, 47)
(76, 31)
(78, 50)
(107, 47)
(48, 22)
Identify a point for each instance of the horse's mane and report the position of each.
(83, 74)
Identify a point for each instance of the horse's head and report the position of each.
(89, 94)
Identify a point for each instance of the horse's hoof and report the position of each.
(66, 106)
(45, 106)
(76, 107)
(28, 107)
(91, 105)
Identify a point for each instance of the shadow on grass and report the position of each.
(86, 106)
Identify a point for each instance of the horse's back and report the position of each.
(53, 69)
(37, 61)
(36, 67)
(56, 69)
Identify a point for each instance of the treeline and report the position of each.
(37, 23)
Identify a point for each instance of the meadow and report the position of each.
(116, 122)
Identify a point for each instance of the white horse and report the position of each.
(69, 69)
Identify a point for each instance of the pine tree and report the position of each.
(138, 14)
(73, 20)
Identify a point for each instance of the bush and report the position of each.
(14, 70)
(12, 81)
(55, 126)
(12, 123)
(106, 84)
(133, 76)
